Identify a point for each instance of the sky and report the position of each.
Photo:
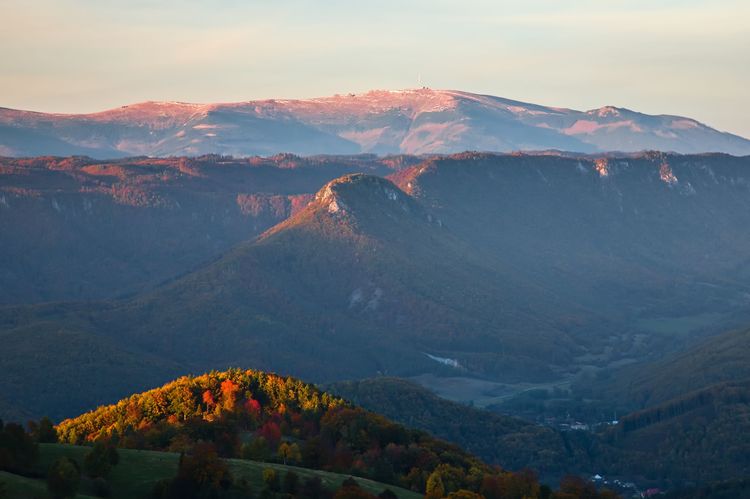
(684, 57)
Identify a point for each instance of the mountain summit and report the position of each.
(417, 121)
(364, 204)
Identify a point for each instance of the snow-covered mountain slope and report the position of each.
(417, 121)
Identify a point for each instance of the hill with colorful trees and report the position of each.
(264, 417)
(267, 417)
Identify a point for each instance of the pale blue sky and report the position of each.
(689, 57)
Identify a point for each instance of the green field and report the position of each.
(139, 470)
(18, 487)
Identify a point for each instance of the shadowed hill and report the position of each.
(718, 359)
(393, 282)
(699, 437)
(511, 442)
(83, 229)
(636, 239)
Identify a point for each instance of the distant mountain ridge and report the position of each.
(415, 121)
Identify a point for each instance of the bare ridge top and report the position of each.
(411, 121)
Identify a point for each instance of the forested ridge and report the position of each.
(265, 417)
(269, 417)
(495, 438)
